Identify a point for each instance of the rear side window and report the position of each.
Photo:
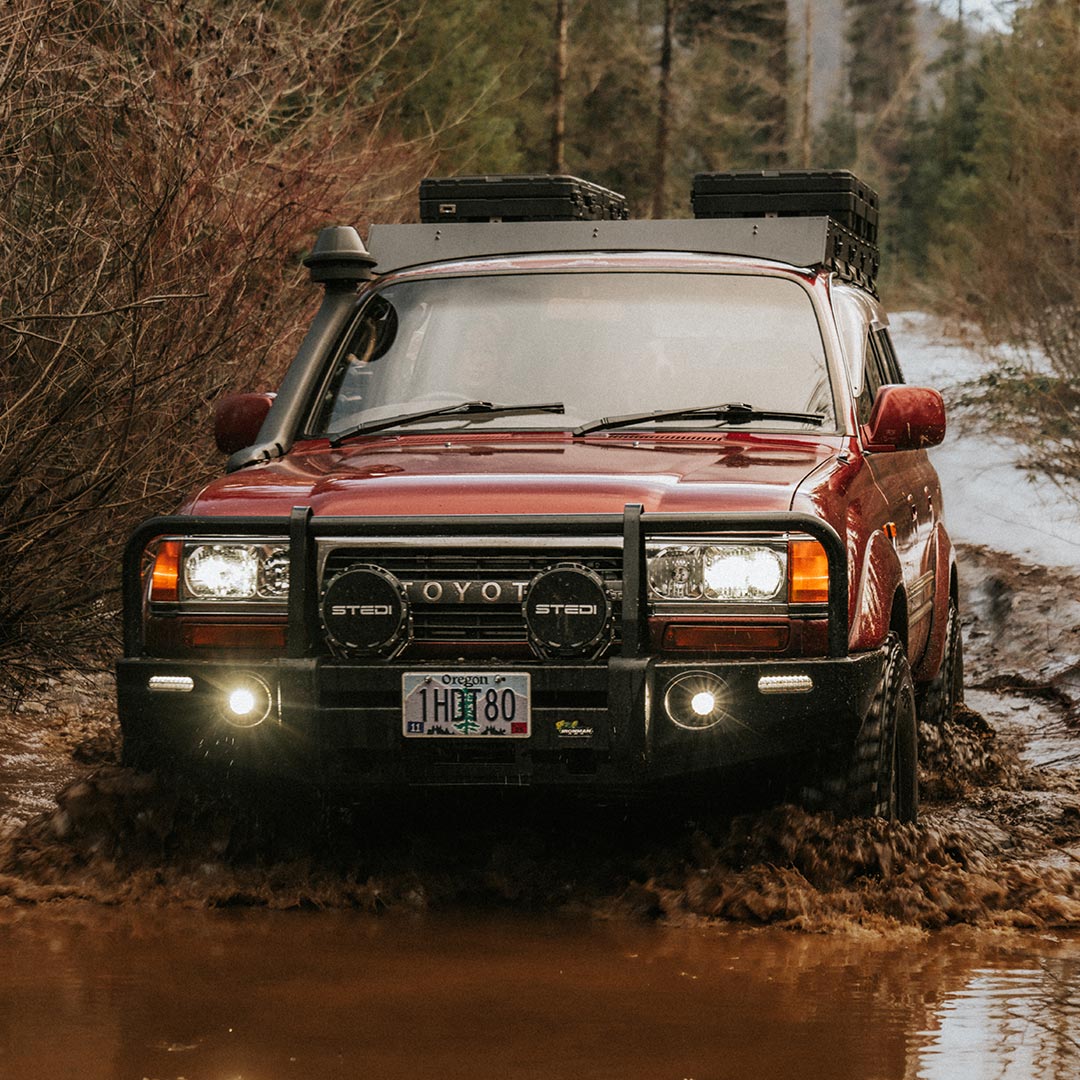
(871, 379)
(880, 368)
(889, 362)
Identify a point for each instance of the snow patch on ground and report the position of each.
(989, 499)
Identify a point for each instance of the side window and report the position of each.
(871, 381)
(890, 364)
(350, 387)
(880, 361)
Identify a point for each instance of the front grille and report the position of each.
(467, 622)
(494, 622)
(475, 564)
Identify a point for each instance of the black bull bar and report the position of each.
(303, 529)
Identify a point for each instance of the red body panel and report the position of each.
(524, 473)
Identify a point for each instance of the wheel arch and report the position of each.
(881, 602)
(946, 588)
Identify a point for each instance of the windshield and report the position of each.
(604, 344)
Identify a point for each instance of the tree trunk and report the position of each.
(808, 77)
(558, 123)
(663, 121)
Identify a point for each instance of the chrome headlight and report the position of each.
(736, 572)
(235, 570)
(743, 573)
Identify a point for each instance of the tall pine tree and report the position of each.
(1013, 254)
(883, 81)
(881, 36)
(1018, 209)
(941, 143)
(476, 82)
(739, 82)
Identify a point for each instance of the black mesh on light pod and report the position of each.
(364, 610)
(567, 611)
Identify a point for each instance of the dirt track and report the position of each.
(998, 843)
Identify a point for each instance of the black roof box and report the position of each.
(791, 193)
(518, 198)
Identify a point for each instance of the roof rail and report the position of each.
(804, 242)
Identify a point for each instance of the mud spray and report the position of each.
(117, 836)
(998, 844)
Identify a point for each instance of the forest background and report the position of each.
(164, 164)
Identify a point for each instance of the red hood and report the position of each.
(524, 474)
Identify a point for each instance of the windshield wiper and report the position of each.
(462, 408)
(733, 412)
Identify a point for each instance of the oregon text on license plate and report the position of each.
(473, 703)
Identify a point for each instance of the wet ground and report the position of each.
(146, 933)
(145, 993)
(998, 843)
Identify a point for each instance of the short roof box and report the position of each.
(838, 194)
(518, 198)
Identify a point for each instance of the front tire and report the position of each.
(883, 779)
(879, 776)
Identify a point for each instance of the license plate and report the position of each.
(476, 704)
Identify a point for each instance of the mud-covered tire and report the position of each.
(938, 699)
(879, 776)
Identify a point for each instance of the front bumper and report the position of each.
(598, 723)
(601, 725)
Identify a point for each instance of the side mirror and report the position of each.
(905, 418)
(238, 418)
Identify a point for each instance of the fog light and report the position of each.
(247, 702)
(242, 702)
(785, 684)
(696, 700)
(703, 703)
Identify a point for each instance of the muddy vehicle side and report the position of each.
(605, 505)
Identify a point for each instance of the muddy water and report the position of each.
(149, 932)
(93, 993)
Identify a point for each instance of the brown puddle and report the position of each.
(92, 992)
(148, 932)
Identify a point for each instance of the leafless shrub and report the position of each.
(163, 163)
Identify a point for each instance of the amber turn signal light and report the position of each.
(808, 573)
(165, 577)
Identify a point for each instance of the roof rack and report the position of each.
(803, 218)
(804, 242)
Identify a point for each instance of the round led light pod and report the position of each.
(567, 610)
(364, 610)
(247, 701)
(696, 700)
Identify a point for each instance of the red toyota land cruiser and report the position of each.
(599, 503)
